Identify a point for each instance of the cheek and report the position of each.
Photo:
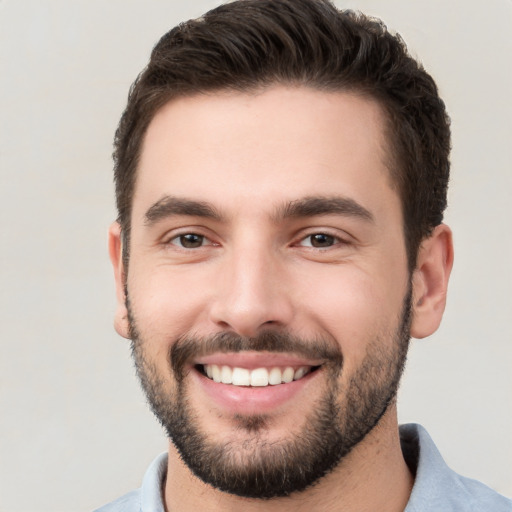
(355, 307)
(167, 304)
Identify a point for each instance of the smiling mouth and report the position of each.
(258, 377)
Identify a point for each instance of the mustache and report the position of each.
(187, 348)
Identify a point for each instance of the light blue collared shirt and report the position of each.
(436, 487)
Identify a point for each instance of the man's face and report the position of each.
(267, 243)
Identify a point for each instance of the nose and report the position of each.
(252, 293)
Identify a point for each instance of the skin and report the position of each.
(249, 156)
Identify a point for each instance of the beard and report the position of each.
(256, 467)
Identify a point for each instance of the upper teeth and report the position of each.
(257, 377)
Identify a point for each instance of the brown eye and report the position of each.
(321, 240)
(189, 241)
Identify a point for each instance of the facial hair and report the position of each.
(256, 468)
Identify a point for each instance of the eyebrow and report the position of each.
(319, 205)
(169, 206)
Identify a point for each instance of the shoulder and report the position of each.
(149, 497)
(482, 498)
(436, 486)
(128, 503)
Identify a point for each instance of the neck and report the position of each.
(374, 476)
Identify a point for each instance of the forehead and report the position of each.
(272, 145)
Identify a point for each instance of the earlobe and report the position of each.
(430, 281)
(115, 248)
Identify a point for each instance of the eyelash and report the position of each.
(181, 237)
(331, 240)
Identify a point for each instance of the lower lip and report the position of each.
(252, 400)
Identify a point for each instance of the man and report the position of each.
(281, 173)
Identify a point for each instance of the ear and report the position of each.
(430, 281)
(115, 249)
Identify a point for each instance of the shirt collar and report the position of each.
(151, 498)
(434, 481)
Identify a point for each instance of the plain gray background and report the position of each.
(74, 428)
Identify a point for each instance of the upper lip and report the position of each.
(253, 360)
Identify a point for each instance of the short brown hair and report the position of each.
(249, 44)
